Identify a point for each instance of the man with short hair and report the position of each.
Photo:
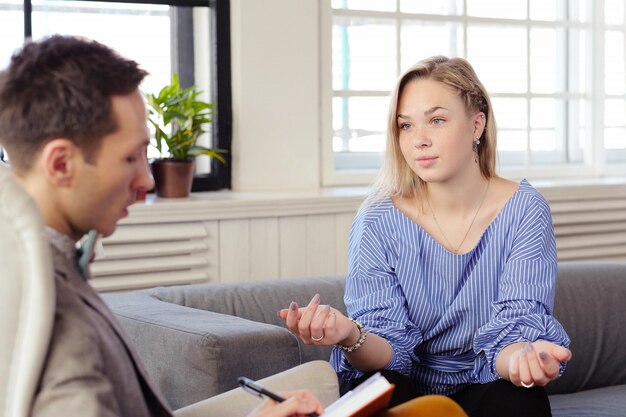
(74, 124)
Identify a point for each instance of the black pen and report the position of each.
(254, 388)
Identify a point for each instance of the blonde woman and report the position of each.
(452, 268)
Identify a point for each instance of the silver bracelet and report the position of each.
(359, 343)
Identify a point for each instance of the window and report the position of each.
(559, 111)
(614, 76)
(183, 36)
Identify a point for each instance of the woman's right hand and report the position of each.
(319, 324)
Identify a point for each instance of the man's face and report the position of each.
(105, 188)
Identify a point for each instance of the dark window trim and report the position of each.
(221, 175)
(184, 60)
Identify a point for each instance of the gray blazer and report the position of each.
(90, 369)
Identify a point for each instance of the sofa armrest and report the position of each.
(194, 354)
(316, 376)
(260, 300)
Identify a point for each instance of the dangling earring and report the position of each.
(475, 149)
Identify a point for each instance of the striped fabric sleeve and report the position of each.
(373, 296)
(523, 308)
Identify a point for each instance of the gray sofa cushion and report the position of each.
(260, 301)
(591, 306)
(255, 300)
(605, 402)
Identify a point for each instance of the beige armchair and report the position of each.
(26, 297)
(316, 376)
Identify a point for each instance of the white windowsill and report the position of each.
(236, 205)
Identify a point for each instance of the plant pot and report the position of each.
(172, 178)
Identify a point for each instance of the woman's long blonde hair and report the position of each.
(396, 179)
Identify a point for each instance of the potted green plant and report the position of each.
(179, 119)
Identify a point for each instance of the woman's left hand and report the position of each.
(536, 363)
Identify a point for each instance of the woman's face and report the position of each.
(436, 132)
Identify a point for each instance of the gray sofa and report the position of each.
(197, 339)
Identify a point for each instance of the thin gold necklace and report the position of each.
(456, 251)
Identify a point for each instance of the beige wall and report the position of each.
(275, 87)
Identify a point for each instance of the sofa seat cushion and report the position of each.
(600, 402)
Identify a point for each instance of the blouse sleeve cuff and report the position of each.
(402, 350)
(552, 332)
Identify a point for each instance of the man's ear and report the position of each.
(59, 161)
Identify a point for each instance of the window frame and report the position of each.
(220, 176)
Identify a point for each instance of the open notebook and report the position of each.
(367, 399)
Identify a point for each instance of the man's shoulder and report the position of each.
(80, 363)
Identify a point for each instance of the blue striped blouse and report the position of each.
(447, 316)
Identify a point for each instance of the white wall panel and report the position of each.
(321, 245)
(212, 251)
(234, 236)
(234, 252)
(264, 248)
(343, 222)
(293, 248)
